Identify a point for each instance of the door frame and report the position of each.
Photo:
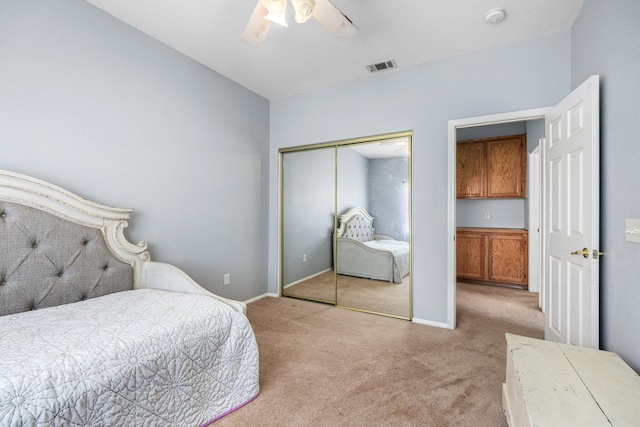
(534, 182)
(493, 119)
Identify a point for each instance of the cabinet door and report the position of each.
(508, 258)
(471, 256)
(470, 170)
(506, 168)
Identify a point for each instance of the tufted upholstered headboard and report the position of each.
(57, 248)
(356, 224)
(46, 261)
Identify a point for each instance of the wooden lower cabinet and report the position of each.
(495, 255)
(470, 263)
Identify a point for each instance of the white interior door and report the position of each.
(571, 218)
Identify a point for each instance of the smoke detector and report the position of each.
(494, 16)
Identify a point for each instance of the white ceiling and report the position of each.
(383, 150)
(304, 57)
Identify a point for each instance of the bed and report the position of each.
(94, 333)
(362, 253)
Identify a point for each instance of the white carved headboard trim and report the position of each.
(38, 194)
(29, 191)
(351, 214)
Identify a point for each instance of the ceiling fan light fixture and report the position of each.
(304, 9)
(267, 12)
(277, 11)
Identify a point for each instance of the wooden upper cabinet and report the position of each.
(470, 170)
(507, 167)
(492, 168)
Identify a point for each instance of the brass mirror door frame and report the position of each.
(307, 222)
(292, 242)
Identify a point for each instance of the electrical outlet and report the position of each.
(226, 279)
(304, 258)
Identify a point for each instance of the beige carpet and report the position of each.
(325, 366)
(354, 292)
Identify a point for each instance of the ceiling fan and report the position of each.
(270, 11)
(402, 143)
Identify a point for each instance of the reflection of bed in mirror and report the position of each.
(362, 253)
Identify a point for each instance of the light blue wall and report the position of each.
(353, 171)
(606, 41)
(423, 99)
(535, 131)
(97, 107)
(388, 202)
(308, 212)
(309, 203)
(503, 213)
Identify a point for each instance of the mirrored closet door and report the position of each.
(372, 242)
(308, 204)
(346, 224)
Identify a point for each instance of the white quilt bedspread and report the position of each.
(400, 251)
(135, 358)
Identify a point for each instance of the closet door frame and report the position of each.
(338, 144)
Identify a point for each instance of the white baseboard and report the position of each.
(254, 299)
(443, 325)
(307, 278)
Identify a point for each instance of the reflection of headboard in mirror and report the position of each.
(362, 253)
(356, 224)
(351, 182)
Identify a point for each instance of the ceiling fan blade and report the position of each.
(333, 20)
(257, 27)
(394, 141)
(403, 148)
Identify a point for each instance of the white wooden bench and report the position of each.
(552, 384)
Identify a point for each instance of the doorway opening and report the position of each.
(478, 128)
(571, 213)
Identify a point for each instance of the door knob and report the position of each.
(584, 252)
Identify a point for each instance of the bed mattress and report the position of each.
(135, 358)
